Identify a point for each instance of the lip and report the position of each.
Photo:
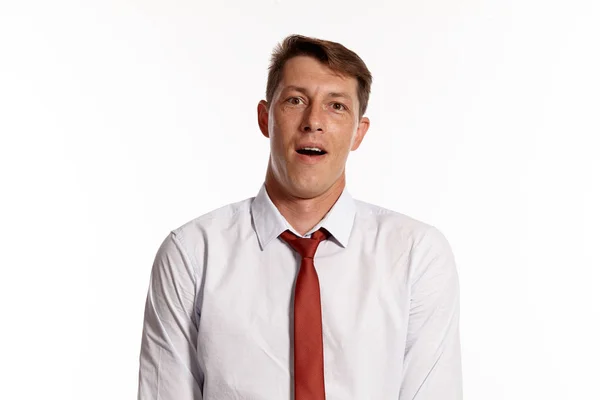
(311, 144)
(311, 160)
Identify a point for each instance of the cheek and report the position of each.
(278, 121)
(345, 133)
(285, 126)
(288, 119)
(279, 140)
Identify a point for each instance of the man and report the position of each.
(302, 292)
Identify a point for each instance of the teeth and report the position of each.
(312, 148)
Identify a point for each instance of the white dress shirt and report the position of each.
(218, 318)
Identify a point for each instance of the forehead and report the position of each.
(309, 73)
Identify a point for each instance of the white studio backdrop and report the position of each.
(121, 120)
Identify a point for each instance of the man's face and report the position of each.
(316, 108)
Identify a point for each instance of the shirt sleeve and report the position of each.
(169, 368)
(432, 367)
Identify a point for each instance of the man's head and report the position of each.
(317, 94)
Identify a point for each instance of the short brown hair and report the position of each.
(334, 55)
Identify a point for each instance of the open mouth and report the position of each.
(311, 151)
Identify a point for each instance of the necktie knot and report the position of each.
(306, 247)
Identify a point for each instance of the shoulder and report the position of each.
(389, 220)
(215, 221)
(399, 228)
(189, 241)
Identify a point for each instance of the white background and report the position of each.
(121, 120)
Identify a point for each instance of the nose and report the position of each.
(313, 120)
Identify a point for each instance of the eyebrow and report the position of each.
(330, 94)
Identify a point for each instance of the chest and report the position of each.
(246, 314)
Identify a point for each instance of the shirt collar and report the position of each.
(269, 223)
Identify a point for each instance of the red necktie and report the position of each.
(309, 378)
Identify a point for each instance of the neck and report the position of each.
(303, 214)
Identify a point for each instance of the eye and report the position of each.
(339, 107)
(294, 101)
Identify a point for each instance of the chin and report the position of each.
(308, 190)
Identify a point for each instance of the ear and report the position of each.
(263, 117)
(361, 131)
